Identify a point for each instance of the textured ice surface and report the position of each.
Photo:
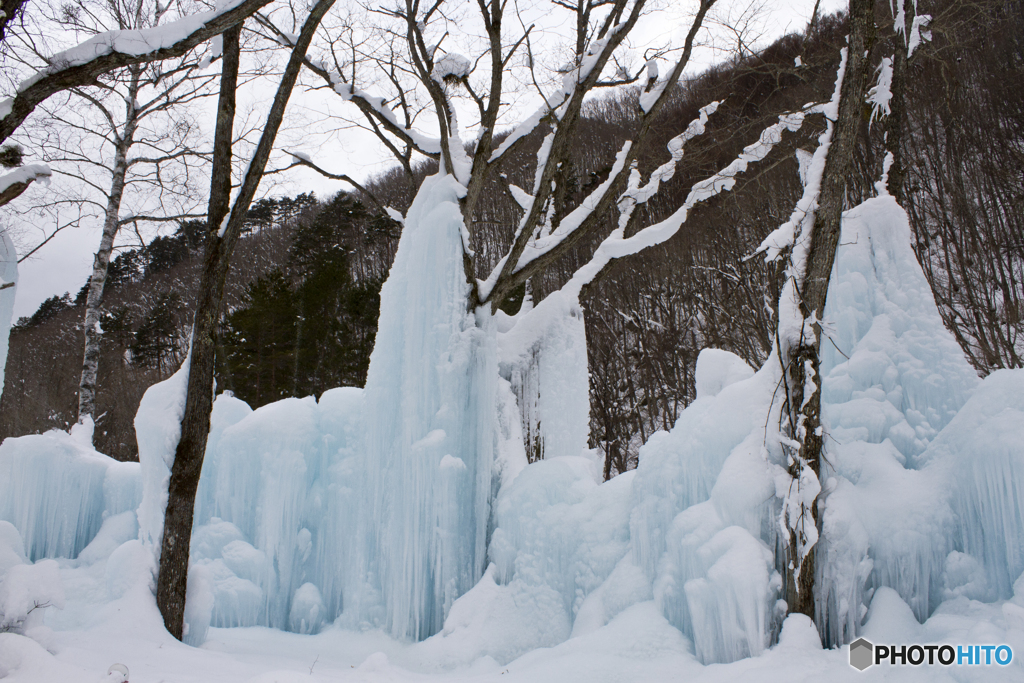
(57, 492)
(276, 507)
(310, 507)
(893, 378)
(430, 391)
(542, 352)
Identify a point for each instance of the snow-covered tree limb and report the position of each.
(510, 272)
(17, 181)
(84, 63)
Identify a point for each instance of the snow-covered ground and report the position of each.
(330, 535)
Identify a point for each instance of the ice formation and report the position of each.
(431, 393)
(542, 352)
(381, 522)
(409, 506)
(58, 491)
(893, 378)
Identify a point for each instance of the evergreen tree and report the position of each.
(258, 342)
(157, 342)
(313, 329)
(47, 310)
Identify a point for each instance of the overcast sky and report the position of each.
(65, 263)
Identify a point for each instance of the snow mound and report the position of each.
(157, 430)
(717, 369)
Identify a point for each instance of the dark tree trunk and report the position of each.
(181, 493)
(225, 224)
(895, 125)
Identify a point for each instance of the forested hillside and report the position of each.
(305, 281)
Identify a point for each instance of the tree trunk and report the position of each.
(94, 302)
(225, 223)
(824, 242)
(195, 427)
(895, 124)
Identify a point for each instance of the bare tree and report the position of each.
(84, 63)
(134, 127)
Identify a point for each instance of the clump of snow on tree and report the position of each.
(451, 67)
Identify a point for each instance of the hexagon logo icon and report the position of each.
(862, 654)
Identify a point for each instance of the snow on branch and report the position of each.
(881, 92)
(801, 221)
(918, 27)
(17, 181)
(84, 63)
(616, 245)
(639, 195)
(556, 104)
(633, 196)
(375, 107)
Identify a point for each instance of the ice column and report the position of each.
(429, 435)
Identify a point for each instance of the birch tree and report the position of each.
(82, 64)
(134, 131)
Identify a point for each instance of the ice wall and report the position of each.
(57, 491)
(893, 378)
(367, 507)
(703, 512)
(542, 352)
(276, 510)
(430, 395)
(8, 276)
(980, 456)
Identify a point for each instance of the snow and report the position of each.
(129, 42)
(880, 93)
(158, 429)
(25, 174)
(918, 33)
(399, 534)
(616, 245)
(717, 369)
(451, 65)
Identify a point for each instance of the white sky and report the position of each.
(65, 263)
